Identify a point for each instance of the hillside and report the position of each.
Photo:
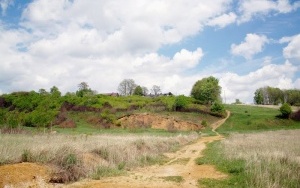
(100, 113)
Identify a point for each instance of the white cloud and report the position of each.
(223, 20)
(292, 50)
(252, 8)
(252, 45)
(243, 86)
(4, 4)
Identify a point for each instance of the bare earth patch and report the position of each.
(157, 122)
(24, 175)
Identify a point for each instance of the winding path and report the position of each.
(182, 165)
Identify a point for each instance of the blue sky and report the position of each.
(246, 44)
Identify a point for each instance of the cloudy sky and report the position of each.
(246, 44)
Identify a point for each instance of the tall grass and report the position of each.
(77, 156)
(272, 158)
(257, 160)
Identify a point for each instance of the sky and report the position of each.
(246, 44)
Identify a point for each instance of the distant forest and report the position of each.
(274, 96)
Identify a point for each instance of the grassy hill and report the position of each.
(252, 118)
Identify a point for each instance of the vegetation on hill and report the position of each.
(252, 118)
(47, 109)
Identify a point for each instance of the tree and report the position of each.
(126, 87)
(83, 89)
(258, 97)
(83, 86)
(285, 110)
(207, 90)
(55, 91)
(145, 91)
(156, 89)
(138, 91)
(237, 101)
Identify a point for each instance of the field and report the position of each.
(265, 159)
(251, 118)
(94, 156)
(260, 150)
(255, 149)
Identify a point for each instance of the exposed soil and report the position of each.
(24, 175)
(157, 122)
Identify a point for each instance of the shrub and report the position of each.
(217, 107)
(285, 110)
(180, 102)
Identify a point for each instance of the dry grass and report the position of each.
(80, 156)
(272, 158)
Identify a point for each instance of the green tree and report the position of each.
(55, 91)
(285, 110)
(138, 91)
(258, 97)
(207, 90)
(83, 90)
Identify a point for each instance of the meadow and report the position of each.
(256, 160)
(94, 156)
(260, 150)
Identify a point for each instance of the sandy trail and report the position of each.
(182, 163)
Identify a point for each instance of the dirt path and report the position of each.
(181, 166)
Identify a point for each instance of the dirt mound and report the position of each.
(157, 122)
(24, 175)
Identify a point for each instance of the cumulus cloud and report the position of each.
(252, 8)
(223, 20)
(292, 50)
(252, 45)
(243, 86)
(66, 42)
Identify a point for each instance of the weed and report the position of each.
(27, 156)
(102, 152)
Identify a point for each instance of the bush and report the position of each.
(285, 110)
(217, 107)
(181, 102)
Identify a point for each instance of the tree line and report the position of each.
(129, 87)
(274, 96)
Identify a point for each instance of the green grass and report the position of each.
(103, 171)
(250, 118)
(235, 168)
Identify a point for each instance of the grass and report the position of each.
(250, 118)
(265, 159)
(177, 179)
(78, 156)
